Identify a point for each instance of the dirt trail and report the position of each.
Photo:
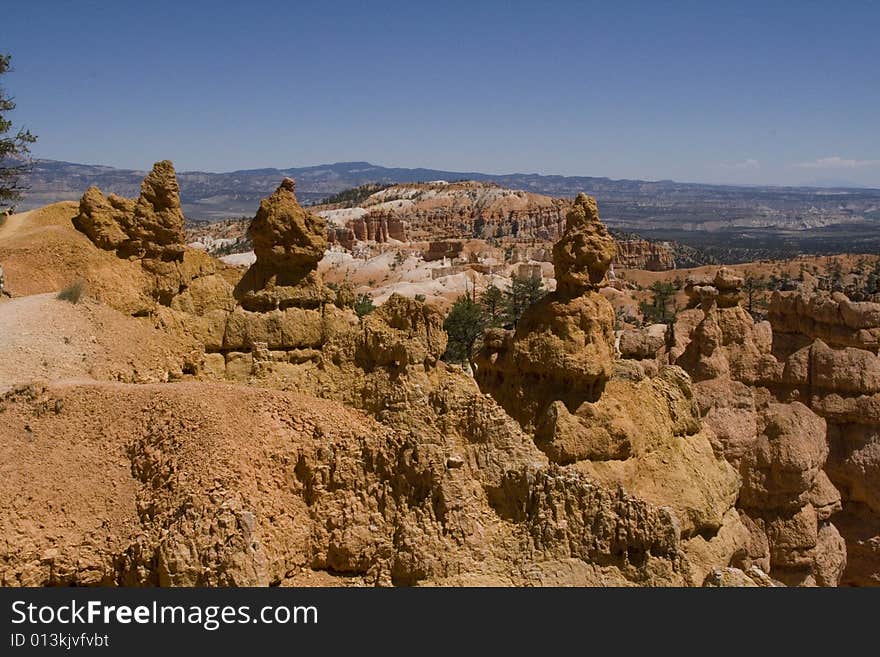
(13, 224)
(45, 339)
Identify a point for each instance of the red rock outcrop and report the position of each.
(642, 254)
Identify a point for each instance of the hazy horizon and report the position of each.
(830, 184)
(756, 94)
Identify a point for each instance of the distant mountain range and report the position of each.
(799, 218)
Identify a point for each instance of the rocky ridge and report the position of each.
(447, 213)
(440, 486)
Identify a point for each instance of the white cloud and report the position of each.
(745, 165)
(837, 162)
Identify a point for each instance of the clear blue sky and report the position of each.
(736, 92)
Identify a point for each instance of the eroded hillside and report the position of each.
(282, 439)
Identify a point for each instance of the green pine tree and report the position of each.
(523, 292)
(13, 149)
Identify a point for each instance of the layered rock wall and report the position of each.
(791, 402)
(642, 254)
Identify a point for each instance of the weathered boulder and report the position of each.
(288, 243)
(787, 457)
(582, 256)
(150, 232)
(642, 343)
(100, 218)
(149, 227)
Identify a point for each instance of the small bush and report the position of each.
(73, 293)
(363, 305)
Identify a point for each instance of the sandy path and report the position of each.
(13, 224)
(43, 338)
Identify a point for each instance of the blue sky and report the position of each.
(738, 92)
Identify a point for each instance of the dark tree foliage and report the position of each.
(659, 310)
(471, 315)
(492, 301)
(350, 198)
(755, 287)
(464, 324)
(363, 305)
(14, 148)
(872, 282)
(523, 292)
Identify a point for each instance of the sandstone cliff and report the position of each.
(642, 254)
(794, 414)
(441, 210)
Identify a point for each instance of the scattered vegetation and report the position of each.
(399, 258)
(471, 315)
(464, 324)
(492, 302)
(756, 302)
(345, 293)
(73, 292)
(523, 292)
(353, 197)
(240, 245)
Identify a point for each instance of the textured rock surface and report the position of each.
(215, 485)
(710, 454)
(774, 394)
(441, 210)
(288, 243)
(556, 374)
(642, 254)
(150, 231)
(642, 343)
(149, 227)
(563, 345)
(582, 256)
